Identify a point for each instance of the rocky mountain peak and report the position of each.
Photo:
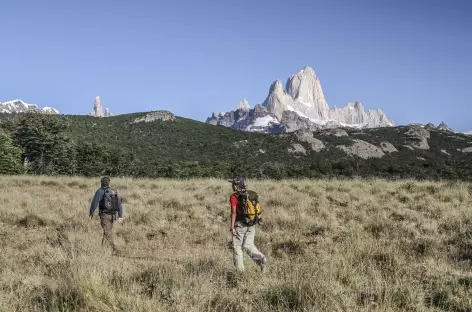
(305, 89)
(276, 87)
(304, 96)
(305, 73)
(276, 101)
(19, 106)
(243, 106)
(358, 105)
(98, 110)
(443, 126)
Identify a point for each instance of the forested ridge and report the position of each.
(83, 145)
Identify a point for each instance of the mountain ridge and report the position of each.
(19, 106)
(303, 95)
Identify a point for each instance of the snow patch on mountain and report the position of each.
(261, 123)
(51, 110)
(19, 106)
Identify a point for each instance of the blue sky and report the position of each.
(412, 59)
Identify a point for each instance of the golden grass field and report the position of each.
(331, 245)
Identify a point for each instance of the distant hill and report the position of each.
(159, 144)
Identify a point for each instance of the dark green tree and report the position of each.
(47, 149)
(90, 159)
(10, 155)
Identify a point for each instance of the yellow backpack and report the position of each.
(250, 207)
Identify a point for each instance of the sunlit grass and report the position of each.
(332, 246)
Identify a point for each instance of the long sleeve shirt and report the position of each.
(96, 199)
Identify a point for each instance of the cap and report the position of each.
(238, 180)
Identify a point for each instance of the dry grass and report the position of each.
(332, 246)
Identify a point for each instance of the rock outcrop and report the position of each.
(98, 110)
(301, 104)
(291, 122)
(156, 115)
(418, 137)
(297, 148)
(19, 106)
(388, 147)
(335, 132)
(363, 149)
(305, 136)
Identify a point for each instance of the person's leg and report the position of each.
(238, 258)
(251, 249)
(106, 221)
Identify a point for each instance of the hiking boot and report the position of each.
(263, 265)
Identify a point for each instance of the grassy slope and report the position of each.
(332, 246)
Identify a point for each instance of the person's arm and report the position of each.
(233, 216)
(94, 203)
(233, 204)
(120, 206)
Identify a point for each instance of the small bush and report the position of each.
(424, 247)
(73, 184)
(224, 303)
(152, 202)
(290, 248)
(316, 230)
(31, 221)
(65, 298)
(274, 203)
(158, 283)
(172, 204)
(135, 196)
(285, 298)
(386, 262)
(51, 183)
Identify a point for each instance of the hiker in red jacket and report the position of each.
(243, 234)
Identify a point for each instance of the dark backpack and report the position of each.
(109, 202)
(250, 208)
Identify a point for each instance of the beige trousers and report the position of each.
(106, 221)
(245, 240)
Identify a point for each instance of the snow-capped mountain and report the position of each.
(19, 106)
(468, 132)
(299, 105)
